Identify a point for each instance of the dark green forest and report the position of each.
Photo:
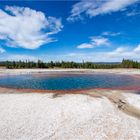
(89, 65)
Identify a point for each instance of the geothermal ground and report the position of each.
(93, 115)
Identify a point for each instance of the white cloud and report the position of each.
(71, 54)
(98, 7)
(116, 55)
(125, 52)
(98, 41)
(137, 49)
(2, 50)
(120, 50)
(85, 45)
(133, 13)
(27, 28)
(110, 33)
(95, 42)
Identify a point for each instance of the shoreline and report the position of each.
(71, 91)
(32, 71)
(115, 96)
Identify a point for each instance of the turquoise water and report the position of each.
(68, 81)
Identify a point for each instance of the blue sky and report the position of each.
(98, 31)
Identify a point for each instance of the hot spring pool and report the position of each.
(69, 81)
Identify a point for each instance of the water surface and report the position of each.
(68, 81)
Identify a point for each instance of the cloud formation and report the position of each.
(94, 8)
(110, 33)
(125, 52)
(27, 28)
(116, 55)
(2, 50)
(137, 49)
(95, 41)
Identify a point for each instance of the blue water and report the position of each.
(68, 81)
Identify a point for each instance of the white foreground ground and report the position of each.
(34, 116)
(69, 117)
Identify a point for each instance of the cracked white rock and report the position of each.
(70, 117)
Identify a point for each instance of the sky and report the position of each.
(86, 30)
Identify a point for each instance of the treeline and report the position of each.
(63, 64)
